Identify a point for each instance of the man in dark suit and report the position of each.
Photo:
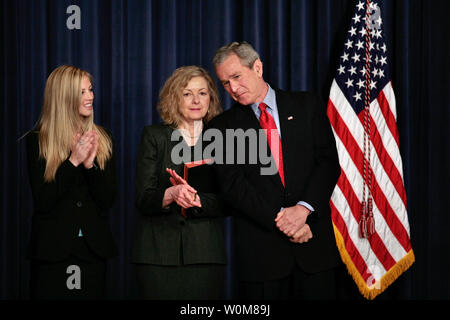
(284, 235)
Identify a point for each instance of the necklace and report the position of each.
(188, 138)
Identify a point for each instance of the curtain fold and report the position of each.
(131, 47)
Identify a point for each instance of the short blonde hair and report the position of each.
(171, 94)
(60, 120)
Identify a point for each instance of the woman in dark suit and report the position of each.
(72, 177)
(177, 256)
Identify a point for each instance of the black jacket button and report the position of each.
(79, 204)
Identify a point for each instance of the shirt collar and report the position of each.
(269, 100)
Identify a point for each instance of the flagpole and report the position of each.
(367, 223)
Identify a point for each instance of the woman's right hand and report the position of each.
(175, 179)
(81, 147)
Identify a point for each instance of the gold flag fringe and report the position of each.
(370, 292)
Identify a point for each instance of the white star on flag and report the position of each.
(344, 57)
(349, 44)
(349, 83)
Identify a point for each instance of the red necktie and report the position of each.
(268, 124)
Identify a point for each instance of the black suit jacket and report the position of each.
(311, 170)
(164, 236)
(77, 198)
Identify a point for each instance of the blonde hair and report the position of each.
(60, 120)
(171, 94)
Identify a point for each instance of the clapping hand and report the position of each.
(92, 153)
(82, 148)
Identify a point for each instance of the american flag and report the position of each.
(362, 112)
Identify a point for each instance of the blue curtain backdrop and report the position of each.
(131, 47)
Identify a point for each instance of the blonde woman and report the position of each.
(177, 256)
(72, 177)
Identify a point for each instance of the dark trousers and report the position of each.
(187, 282)
(297, 285)
(59, 280)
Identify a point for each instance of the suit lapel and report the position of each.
(286, 117)
(248, 117)
(289, 123)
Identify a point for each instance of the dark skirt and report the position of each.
(79, 277)
(187, 282)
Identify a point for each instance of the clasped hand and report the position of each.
(181, 192)
(292, 222)
(84, 149)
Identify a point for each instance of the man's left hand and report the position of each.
(303, 235)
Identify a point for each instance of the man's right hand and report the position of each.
(292, 219)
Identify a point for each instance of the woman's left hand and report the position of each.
(175, 179)
(89, 161)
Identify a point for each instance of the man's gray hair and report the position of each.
(243, 50)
